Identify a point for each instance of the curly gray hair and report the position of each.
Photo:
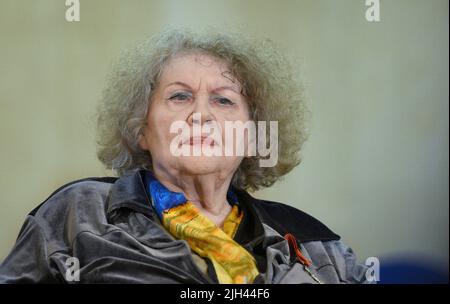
(269, 85)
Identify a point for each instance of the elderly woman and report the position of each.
(174, 217)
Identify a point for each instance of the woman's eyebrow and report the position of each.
(180, 83)
(232, 88)
(235, 89)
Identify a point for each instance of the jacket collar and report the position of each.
(129, 191)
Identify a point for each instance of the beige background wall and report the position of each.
(375, 167)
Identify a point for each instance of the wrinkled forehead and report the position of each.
(190, 66)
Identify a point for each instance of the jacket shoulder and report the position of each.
(82, 186)
(287, 219)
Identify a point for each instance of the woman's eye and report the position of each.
(224, 101)
(180, 97)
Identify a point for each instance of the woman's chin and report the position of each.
(201, 164)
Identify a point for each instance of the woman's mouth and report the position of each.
(200, 140)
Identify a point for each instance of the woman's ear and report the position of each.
(142, 142)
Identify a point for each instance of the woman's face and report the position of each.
(194, 83)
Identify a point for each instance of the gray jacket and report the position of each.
(111, 229)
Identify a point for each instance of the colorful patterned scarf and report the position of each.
(232, 262)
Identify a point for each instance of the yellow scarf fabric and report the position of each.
(232, 262)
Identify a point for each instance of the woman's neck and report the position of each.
(208, 192)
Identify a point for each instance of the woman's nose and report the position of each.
(202, 112)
